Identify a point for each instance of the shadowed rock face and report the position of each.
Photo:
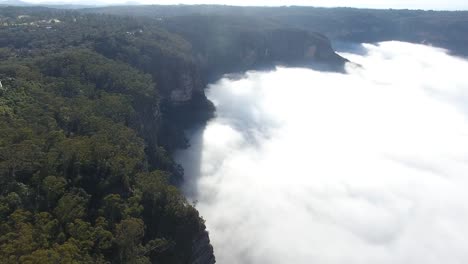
(232, 44)
(180, 81)
(241, 50)
(185, 89)
(181, 63)
(301, 48)
(220, 47)
(444, 29)
(202, 250)
(217, 46)
(232, 52)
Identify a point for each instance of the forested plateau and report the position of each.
(92, 107)
(94, 102)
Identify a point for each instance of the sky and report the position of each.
(413, 4)
(397, 4)
(301, 166)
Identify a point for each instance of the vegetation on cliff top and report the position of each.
(446, 29)
(83, 179)
(91, 107)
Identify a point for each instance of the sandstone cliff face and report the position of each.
(185, 86)
(242, 51)
(293, 48)
(251, 51)
(178, 81)
(184, 90)
(202, 250)
(182, 83)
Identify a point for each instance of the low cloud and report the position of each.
(301, 166)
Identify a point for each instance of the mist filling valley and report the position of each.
(371, 166)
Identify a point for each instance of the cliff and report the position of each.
(218, 47)
(102, 126)
(124, 90)
(202, 50)
(231, 51)
(202, 251)
(228, 44)
(446, 29)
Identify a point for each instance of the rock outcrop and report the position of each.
(202, 250)
(235, 44)
(293, 48)
(216, 46)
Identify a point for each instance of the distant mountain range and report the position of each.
(65, 5)
(14, 3)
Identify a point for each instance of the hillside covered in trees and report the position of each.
(93, 105)
(446, 29)
(84, 176)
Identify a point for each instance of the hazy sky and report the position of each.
(413, 4)
(302, 167)
(423, 4)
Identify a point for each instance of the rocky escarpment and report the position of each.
(234, 52)
(181, 82)
(217, 47)
(217, 51)
(182, 103)
(289, 47)
(202, 250)
(230, 44)
(446, 29)
(117, 94)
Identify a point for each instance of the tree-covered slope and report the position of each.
(446, 29)
(84, 178)
(92, 107)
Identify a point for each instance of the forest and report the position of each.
(94, 102)
(446, 29)
(84, 176)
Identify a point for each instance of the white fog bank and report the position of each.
(301, 166)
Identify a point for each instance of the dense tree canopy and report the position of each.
(82, 180)
(440, 28)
